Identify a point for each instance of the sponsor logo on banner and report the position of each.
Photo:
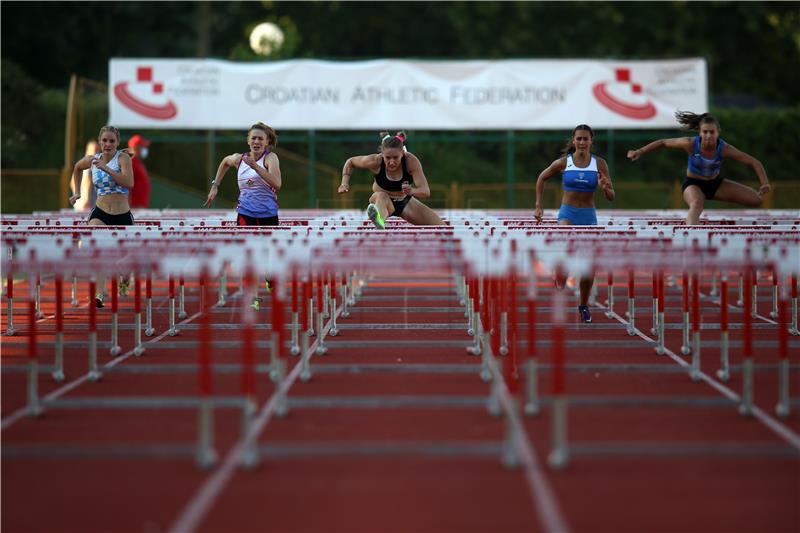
(624, 97)
(145, 96)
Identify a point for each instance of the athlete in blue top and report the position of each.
(583, 173)
(259, 178)
(703, 179)
(399, 183)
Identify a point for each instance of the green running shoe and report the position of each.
(256, 303)
(374, 214)
(123, 287)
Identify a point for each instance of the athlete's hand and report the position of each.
(633, 155)
(603, 181)
(211, 195)
(766, 188)
(101, 165)
(538, 213)
(343, 188)
(73, 199)
(407, 188)
(250, 161)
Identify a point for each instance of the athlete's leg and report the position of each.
(731, 191)
(695, 199)
(100, 289)
(383, 202)
(419, 214)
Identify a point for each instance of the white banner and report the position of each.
(380, 94)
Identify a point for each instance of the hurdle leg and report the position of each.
(532, 406)
(148, 309)
(305, 360)
(223, 287)
(295, 348)
(39, 314)
(74, 298)
(746, 407)
(493, 402)
(783, 408)
(334, 329)
(504, 333)
(249, 444)
(774, 312)
(321, 348)
(724, 372)
(181, 298)
(172, 331)
(559, 454)
(206, 455)
(610, 311)
(486, 353)
(10, 331)
(740, 301)
(713, 290)
(631, 328)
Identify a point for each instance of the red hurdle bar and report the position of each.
(694, 373)
(724, 372)
(58, 366)
(94, 372)
(746, 407)
(137, 310)
(685, 348)
(34, 407)
(10, 302)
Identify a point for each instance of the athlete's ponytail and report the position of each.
(692, 121)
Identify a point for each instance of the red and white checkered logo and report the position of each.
(624, 97)
(145, 96)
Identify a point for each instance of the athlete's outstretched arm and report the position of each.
(81, 164)
(360, 161)
(682, 143)
(729, 152)
(230, 161)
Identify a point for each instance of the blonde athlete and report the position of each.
(112, 177)
(399, 183)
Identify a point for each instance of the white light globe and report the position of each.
(266, 38)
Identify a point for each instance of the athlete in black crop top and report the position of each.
(399, 183)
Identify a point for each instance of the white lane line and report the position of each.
(15, 417)
(193, 513)
(776, 426)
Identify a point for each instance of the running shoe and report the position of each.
(123, 287)
(256, 303)
(98, 300)
(374, 214)
(583, 312)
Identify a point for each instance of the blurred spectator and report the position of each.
(140, 194)
(88, 195)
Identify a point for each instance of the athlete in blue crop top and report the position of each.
(582, 173)
(399, 183)
(112, 176)
(703, 179)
